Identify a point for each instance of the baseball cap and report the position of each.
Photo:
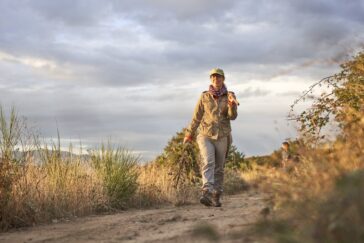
(217, 71)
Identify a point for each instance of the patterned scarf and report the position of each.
(217, 93)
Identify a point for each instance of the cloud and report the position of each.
(117, 40)
(79, 13)
(135, 69)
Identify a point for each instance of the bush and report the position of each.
(323, 193)
(175, 150)
(341, 105)
(118, 170)
(9, 137)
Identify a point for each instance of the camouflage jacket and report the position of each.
(212, 116)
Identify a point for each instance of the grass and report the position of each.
(157, 187)
(55, 187)
(39, 182)
(117, 168)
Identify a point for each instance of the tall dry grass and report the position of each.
(53, 188)
(157, 187)
(40, 182)
(57, 189)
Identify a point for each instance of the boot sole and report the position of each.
(205, 201)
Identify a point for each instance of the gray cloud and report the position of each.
(72, 13)
(193, 33)
(137, 67)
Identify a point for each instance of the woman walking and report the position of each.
(212, 115)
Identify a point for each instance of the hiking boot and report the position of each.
(205, 198)
(216, 199)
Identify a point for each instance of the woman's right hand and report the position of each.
(232, 99)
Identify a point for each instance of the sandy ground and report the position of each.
(191, 223)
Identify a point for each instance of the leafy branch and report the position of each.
(343, 97)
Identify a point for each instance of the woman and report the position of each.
(212, 115)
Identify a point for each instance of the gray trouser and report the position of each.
(213, 153)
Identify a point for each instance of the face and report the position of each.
(217, 81)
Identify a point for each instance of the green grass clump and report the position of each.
(117, 168)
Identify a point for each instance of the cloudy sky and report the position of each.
(132, 71)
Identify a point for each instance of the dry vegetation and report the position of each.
(156, 187)
(320, 199)
(41, 183)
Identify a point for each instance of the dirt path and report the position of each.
(192, 223)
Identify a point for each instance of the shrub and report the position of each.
(342, 104)
(117, 167)
(322, 194)
(9, 137)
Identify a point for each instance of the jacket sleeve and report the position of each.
(196, 119)
(232, 109)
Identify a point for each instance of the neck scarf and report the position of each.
(217, 93)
